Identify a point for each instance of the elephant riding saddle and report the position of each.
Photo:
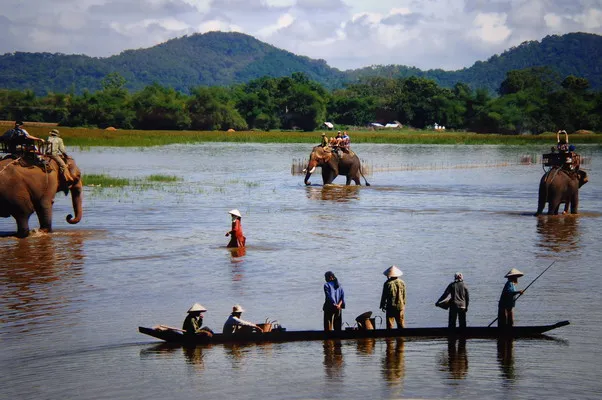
(32, 160)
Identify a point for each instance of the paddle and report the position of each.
(525, 289)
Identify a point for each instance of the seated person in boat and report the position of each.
(193, 324)
(235, 324)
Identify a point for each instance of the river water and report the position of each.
(71, 302)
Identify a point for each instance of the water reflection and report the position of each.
(337, 193)
(366, 346)
(456, 361)
(39, 272)
(194, 357)
(505, 357)
(393, 368)
(333, 359)
(559, 233)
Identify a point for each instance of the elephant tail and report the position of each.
(362, 174)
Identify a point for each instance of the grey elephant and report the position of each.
(560, 186)
(334, 164)
(27, 187)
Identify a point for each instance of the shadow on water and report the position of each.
(456, 359)
(40, 273)
(336, 193)
(559, 233)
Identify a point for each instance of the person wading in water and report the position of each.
(237, 238)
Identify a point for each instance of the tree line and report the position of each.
(532, 100)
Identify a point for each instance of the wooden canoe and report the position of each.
(282, 335)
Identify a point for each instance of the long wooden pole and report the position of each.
(525, 289)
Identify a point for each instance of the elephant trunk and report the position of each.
(311, 167)
(76, 199)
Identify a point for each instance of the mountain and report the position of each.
(223, 59)
(578, 54)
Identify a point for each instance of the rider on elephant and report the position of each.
(56, 150)
(19, 137)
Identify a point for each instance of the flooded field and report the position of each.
(71, 302)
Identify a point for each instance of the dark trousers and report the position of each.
(456, 313)
(505, 317)
(333, 320)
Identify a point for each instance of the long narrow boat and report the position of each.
(282, 335)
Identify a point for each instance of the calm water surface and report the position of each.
(71, 302)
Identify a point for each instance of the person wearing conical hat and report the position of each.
(237, 239)
(457, 292)
(193, 324)
(393, 298)
(234, 322)
(55, 148)
(505, 316)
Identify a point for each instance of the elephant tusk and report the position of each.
(311, 171)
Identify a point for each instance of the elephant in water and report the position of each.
(28, 186)
(333, 165)
(560, 186)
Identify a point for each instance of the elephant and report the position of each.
(333, 164)
(559, 185)
(28, 185)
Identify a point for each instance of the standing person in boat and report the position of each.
(237, 238)
(393, 298)
(508, 298)
(458, 301)
(334, 302)
(193, 324)
(234, 322)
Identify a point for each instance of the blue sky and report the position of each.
(448, 34)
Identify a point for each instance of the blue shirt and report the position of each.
(333, 296)
(508, 297)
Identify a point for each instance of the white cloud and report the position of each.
(592, 19)
(448, 34)
(284, 21)
(552, 20)
(491, 28)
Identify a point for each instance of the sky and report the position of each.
(348, 34)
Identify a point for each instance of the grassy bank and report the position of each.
(84, 137)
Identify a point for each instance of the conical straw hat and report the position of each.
(235, 212)
(196, 307)
(392, 272)
(513, 272)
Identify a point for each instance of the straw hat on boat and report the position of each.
(514, 272)
(196, 307)
(237, 309)
(393, 272)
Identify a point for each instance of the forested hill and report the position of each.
(578, 54)
(223, 59)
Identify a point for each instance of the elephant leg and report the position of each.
(348, 180)
(44, 212)
(553, 207)
(575, 203)
(22, 225)
(541, 203)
